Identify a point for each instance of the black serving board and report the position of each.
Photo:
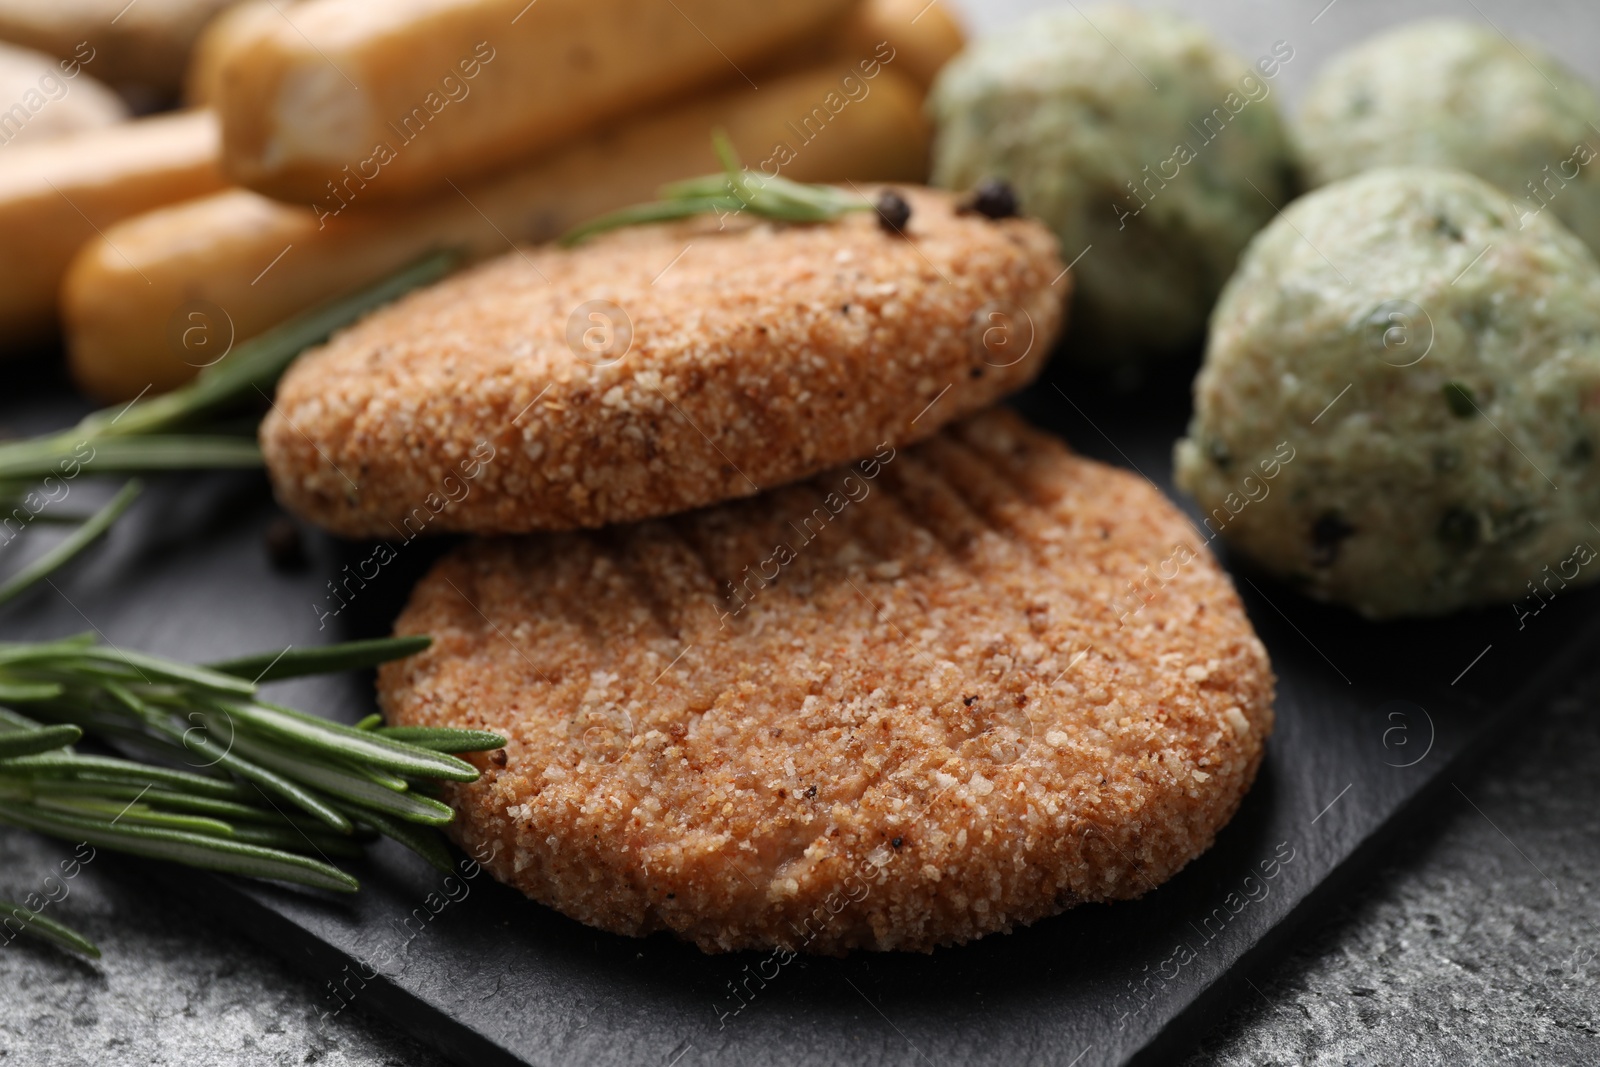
(1370, 717)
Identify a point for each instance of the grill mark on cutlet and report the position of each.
(926, 490)
(1000, 702)
(998, 501)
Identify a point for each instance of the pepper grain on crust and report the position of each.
(951, 689)
(661, 368)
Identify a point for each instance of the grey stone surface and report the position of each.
(171, 989)
(1477, 940)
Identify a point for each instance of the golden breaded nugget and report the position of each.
(146, 41)
(211, 257)
(410, 96)
(661, 368)
(42, 98)
(56, 196)
(931, 696)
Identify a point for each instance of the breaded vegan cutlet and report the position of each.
(932, 695)
(661, 368)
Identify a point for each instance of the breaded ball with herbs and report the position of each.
(1152, 152)
(1429, 365)
(936, 694)
(1446, 93)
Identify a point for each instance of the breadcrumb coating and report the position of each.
(660, 368)
(987, 681)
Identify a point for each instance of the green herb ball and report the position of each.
(1136, 134)
(1444, 93)
(1424, 369)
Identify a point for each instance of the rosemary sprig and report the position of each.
(167, 432)
(733, 190)
(187, 429)
(75, 542)
(14, 918)
(240, 784)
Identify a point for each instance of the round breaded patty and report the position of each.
(660, 368)
(906, 703)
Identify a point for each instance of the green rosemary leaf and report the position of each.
(443, 738)
(349, 656)
(222, 757)
(111, 769)
(348, 785)
(10, 721)
(18, 919)
(656, 211)
(733, 191)
(145, 668)
(61, 554)
(370, 722)
(289, 839)
(704, 187)
(14, 653)
(258, 363)
(423, 840)
(33, 742)
(226, 810)
(194, 850)
(29, 692)
(346, 742)
(47, 456)
(132, 813)
(278, 791)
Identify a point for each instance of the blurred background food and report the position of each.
(1400, 402)
(60, 193)
(1152, 152)
(348, 88)
(219, 40)
(502, 143)
(144, 43)
(1446, 93)
(44, 97)
(223, 250)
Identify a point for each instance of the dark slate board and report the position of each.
(1369, 718)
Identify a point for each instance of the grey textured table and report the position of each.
(1476, 941)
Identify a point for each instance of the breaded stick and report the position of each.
(58, 195)
(146, 42)
(398, 99)
(42, 98)
(214, 48)
(923, 34)
(122, 293)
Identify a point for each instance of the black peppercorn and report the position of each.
(285, 550)
(994, 199)
(893, 211)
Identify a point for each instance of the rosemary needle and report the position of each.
(732, 191)
(245, 786)
(14, 918)
(186, 429)
(76, 542)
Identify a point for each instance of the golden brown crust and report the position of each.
(1021, 666)
(760, 354)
